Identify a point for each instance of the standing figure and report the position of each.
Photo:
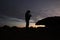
(27, 18)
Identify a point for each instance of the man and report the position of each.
(27, 18)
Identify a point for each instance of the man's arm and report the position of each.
(30, 15)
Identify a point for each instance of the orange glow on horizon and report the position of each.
(35, 26)
(31, 25)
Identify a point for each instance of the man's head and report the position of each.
(28, 11)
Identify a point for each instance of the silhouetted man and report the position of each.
(27, 18)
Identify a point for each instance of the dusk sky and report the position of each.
(12, 12)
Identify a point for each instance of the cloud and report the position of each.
(32, 21)
(5, 20)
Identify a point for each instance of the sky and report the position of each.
(12, 12)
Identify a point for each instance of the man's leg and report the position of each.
(27, 24)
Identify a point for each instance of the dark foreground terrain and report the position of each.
(14, 33)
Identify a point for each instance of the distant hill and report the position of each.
(50, 22)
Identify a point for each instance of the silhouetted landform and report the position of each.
(15, 33)
(52, 23)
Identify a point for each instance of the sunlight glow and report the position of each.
(40, 25)
(22, 25)
(35, 26)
